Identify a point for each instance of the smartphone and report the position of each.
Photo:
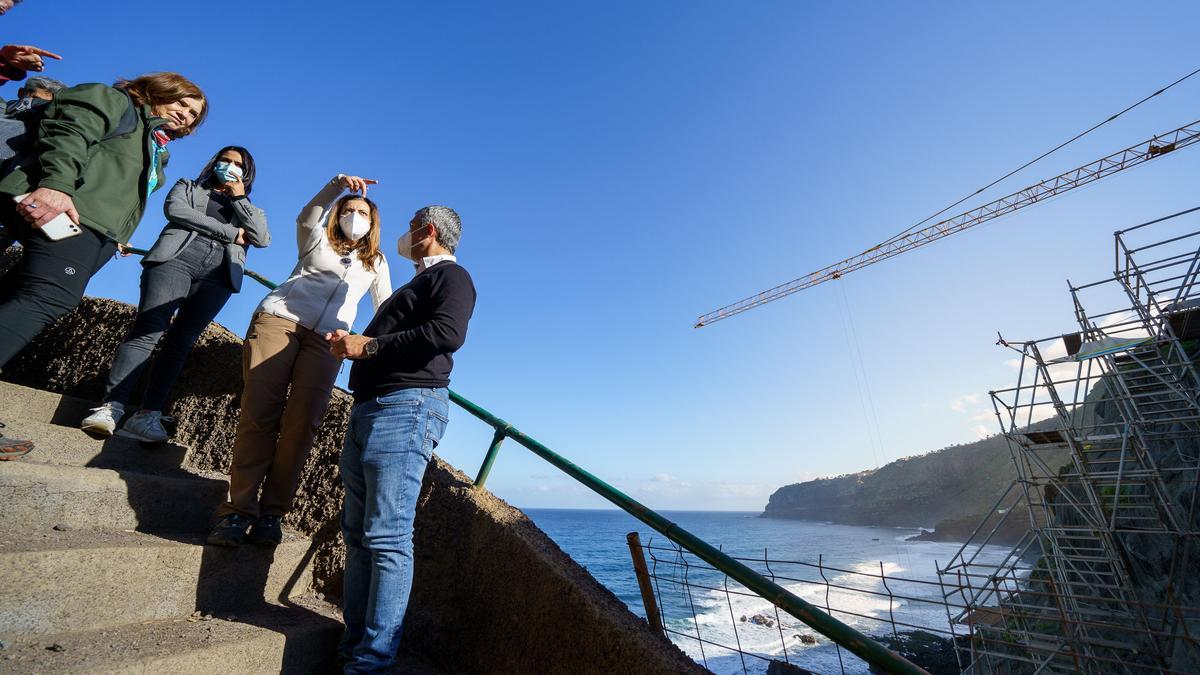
(60, 227)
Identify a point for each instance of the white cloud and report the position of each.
(981, 431)
(960, 404)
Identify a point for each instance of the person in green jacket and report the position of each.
(99, 153)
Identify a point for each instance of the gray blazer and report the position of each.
(187, 218)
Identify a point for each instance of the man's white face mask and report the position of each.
(354, 225)
(405, 245)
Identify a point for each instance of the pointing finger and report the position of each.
(41, 52)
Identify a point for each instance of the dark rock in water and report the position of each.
(806, 638)
(781, 668)
(762, 620)
(932, 652)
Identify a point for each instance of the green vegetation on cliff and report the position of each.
(957, 484)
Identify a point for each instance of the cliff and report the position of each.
(950, 488)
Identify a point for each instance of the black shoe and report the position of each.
(230, 531)
(266, 531)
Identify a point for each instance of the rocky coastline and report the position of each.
(954, 489)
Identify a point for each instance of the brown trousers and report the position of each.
(276, 429)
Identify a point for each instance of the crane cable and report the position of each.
(1037, 159)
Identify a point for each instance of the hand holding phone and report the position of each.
(57, 228)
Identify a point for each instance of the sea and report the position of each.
(871, 577)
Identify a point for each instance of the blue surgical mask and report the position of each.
(227, 172)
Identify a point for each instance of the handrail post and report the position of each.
(490, 458)
(643, 579)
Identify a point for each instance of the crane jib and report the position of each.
(1141, 153)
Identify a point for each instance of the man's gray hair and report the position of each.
(43, 83)
(445, 221)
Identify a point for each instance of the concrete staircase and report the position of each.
(103, 567)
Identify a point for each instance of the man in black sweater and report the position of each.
(401, 405)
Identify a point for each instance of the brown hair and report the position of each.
(367, 246)
(161, 88)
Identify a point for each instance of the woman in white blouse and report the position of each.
(285, 348)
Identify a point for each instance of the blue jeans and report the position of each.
(193, 286)
(388, 445)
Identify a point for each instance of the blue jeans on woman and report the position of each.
(388, 445)
(193, 286)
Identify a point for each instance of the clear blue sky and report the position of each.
(622, 167)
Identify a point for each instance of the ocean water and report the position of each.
(829, 566)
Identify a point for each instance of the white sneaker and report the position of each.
(103, 420)
(146, 426)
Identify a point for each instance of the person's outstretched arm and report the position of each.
(311, 222)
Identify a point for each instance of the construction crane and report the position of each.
(1051, 187)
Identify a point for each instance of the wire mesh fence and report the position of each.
(730, 629)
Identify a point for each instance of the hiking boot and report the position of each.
(145, 426)
(266, 531)
(103, 420)
(230, 531)
(12, 448)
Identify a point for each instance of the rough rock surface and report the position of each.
(492, 593)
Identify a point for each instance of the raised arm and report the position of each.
(311, 221)
(180, 208)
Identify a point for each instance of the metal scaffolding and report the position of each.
(1104, 428)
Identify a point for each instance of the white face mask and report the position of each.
(354, 225)
(405, 245)
(227, 172)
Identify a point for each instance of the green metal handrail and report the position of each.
(869, 650)
(864, 647)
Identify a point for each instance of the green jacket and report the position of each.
(106, 180)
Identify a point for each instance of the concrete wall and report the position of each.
(492, 593)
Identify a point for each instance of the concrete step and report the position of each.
(38, 496)
(63, 581)
(56, 444)
(290, 640)
(35, 405)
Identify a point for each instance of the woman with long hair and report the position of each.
(190, 273)
(98, 154)
(286, 363)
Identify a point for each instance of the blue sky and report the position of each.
(623, 167)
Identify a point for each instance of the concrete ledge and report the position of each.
(59, 582)
(36, 405)
(38, 496)
(485, 574)
(290, 640)
(69, 446)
